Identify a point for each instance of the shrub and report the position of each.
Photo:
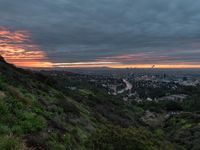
(4, 129)
(18, 95)
(11, 143)
(116, 138)
(3, 108)
(17, 130)
(56, 146)
(68, 107)
(31, 122)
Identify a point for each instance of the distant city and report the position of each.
(136, 84)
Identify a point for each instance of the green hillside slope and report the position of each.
(38, 112)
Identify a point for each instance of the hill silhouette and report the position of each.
(2, 59)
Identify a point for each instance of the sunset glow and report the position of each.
(120, 65)
(164, 66)
(17, 48)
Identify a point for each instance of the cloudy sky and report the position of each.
(92, 33)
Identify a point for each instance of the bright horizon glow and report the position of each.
(116, 65)
(164, 66)
(50, 65)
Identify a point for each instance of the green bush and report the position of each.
(116, 138)
(3, 108)
(16, 93)
(4, 129)
(31, 122)
(16, 129)
(68, 106)
(56, 146)
(11, 143)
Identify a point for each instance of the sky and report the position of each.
(103, 33)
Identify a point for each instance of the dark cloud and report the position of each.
(86, 30)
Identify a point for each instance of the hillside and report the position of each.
(37, 111)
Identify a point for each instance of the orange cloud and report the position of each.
(17, 48)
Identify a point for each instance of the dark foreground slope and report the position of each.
(37, 112)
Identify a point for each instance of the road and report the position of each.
(129, 86)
